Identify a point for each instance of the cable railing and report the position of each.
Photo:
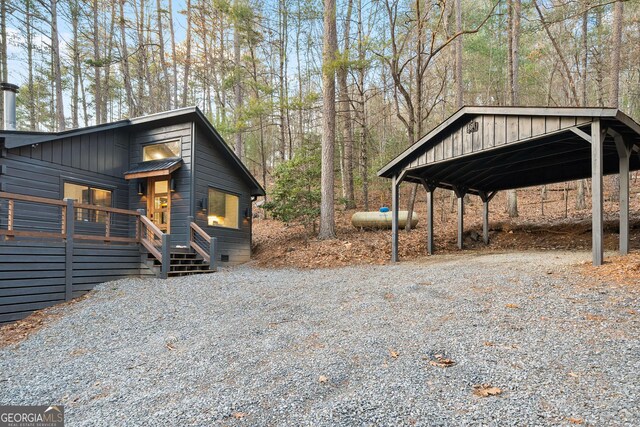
(202, 243)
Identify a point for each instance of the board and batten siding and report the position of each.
(213, 169)
(494, 131)
(98, 159)
(181, 206)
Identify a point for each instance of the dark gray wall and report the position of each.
(32, 274)
(212, 168)
(181, 199)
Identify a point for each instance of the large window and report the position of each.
(161, 151)
(223, 209)
(91, 196)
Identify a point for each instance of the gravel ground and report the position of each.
(348, 346)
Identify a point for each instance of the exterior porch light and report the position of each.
(141, 188)
(172, 185)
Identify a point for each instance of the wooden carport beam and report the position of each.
(486, 198)
(460, 193)
(624, 154)
(597, 228)
(430, 188)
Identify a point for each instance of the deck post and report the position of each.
(597, 229)
(394, 218)
(166, 256)
(68, 249)
(213, 253)
(460, 194)
(623, 154)
(189, 232)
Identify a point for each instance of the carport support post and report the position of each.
(460, 194)
(623, 154)
(486, 198)
(597, 228)
(430, 187)
(394, 218)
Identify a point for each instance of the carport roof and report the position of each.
(484, 149)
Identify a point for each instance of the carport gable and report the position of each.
(485, 149)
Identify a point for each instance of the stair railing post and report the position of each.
(213, 247)
(189, 232)
(68, 249)
(166, 255)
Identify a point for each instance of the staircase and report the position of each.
(183, 263)
(197, 258)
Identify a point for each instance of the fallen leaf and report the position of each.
(485, 390)
(512, 306)
(323, 379)
(394, 354)
(573, 420)
(573, 374)
(388, 296)
(170, 346)
(489, 344)
(238, 415)
(441, 362)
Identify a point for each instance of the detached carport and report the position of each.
(482, 150)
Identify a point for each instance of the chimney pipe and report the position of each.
(9, 119)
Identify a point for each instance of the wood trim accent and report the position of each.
(151, 174)
(150, 200)
(151, 248)
(105, 238)
(33, 199)
(105, 209)
(22, 233)
(154, 228)
(201, 232)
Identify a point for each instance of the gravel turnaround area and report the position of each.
(347, 346)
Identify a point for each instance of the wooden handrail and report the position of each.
(33, 199)
(195, 227)
(105, 209)
(147, 222)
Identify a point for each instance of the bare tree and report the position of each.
(57, 69)
(330, 47)
(616, 40)
(345, 114)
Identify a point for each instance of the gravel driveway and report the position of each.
(348, 346)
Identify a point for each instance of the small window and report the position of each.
(223, 209)
(90, 196)
(165, 150)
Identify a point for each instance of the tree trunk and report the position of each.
(97, 84)
(237, 87)
(616, 37)
(31, 101)
(57, 69)
(513, 62)
(361, 117)
(345, 114)
(187, 59)
(166, 92)
(174, 59)
(330, 47)
(459, 85)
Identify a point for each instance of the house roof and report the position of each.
(16, 139)
(154, 168)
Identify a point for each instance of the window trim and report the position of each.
(231, 193)
(169, 141)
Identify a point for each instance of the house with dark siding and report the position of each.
(161, 194)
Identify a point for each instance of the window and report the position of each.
(165, 150)
(223, 209)
(89, 196)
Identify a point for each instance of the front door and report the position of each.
(159, 203)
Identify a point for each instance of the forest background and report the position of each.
(305, 89)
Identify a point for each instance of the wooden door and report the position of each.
(159, 203)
